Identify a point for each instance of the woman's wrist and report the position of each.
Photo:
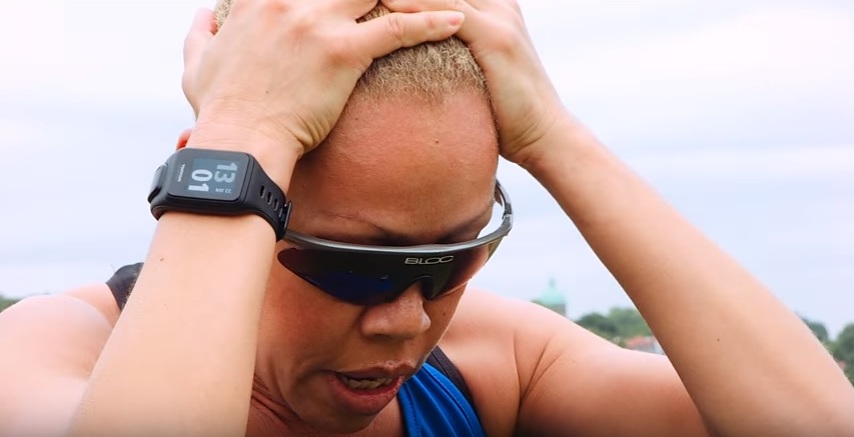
(277, 156)
(563, 149)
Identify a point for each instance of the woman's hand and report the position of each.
(526, 104)
(285, 68)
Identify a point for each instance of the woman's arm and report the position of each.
(271, 81)
(181, 357)
(750, 365)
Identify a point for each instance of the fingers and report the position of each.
(390, 32)
(183, 139)
(201, 32)
(424, 5)
(474, 16)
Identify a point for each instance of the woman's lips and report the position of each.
(365, 383)
(361, 395)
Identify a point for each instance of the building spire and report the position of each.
(552, 298)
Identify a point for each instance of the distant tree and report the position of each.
(818, 329)
(618, 325)
(6, 302)
(599, 325)
(843, 350)
(629, 322)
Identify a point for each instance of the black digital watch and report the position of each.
(218, 182)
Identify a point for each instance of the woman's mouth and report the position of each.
(363, 395)
(365, 383)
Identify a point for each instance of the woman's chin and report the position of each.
(337, 424)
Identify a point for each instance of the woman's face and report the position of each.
(390, 173)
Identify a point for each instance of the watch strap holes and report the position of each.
(267, 195)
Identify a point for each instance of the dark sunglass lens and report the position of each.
(353, 287)
(466, 264)
(370, 279)
(351, 278)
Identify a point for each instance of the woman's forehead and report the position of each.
(400, 212)
(401, 167)
(369, 130)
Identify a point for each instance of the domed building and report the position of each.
(552, 298)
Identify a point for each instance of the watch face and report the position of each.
(208, 176)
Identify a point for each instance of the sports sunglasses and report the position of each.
(370, 275)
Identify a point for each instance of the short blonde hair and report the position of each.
(431, 70)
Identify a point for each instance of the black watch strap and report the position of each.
(218, 182)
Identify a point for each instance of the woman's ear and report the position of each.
(183, 138)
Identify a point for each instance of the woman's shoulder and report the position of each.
(499, 321)
(50, 345)
(482, 341)
(93, 303)
(81, 318)
(500, 345)
(63, 329)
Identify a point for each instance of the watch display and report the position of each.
(220, 183)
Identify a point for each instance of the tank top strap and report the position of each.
(432, 405)
(122, 282)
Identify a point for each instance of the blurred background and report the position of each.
(740, 113)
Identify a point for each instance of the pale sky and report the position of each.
(740, 113)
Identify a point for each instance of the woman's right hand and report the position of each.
(284, 69)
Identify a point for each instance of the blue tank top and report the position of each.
(432, 405)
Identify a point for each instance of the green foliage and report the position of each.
(623, 323)
(6, 302)
(843, 347)
(629, 322)
(599, 325)
(818, 329)
(843, 350)
(618, 325)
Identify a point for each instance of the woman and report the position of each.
(230, 329)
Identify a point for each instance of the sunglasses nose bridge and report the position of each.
(428, 287)
(425, 284)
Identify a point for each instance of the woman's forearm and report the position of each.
(181, 357)
(744, 357)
